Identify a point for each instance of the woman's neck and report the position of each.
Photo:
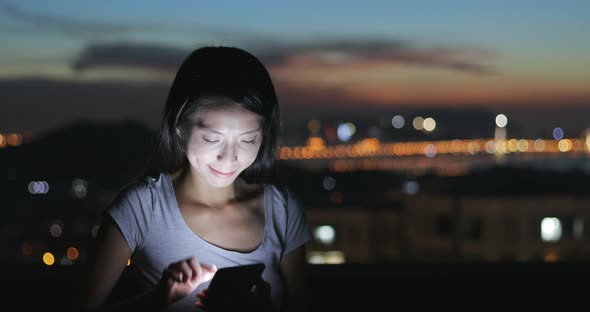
(194, 189)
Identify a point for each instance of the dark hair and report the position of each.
(210, 76)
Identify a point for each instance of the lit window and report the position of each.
(325, 234)
(550, 229)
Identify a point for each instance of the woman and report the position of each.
(209, 198)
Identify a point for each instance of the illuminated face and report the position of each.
(223, 143)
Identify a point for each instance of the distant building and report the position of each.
(439, 228)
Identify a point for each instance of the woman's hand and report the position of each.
(182, 277)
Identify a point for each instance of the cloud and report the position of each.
(275, 52)
(329, 55)
(347, 53)
(126, 54)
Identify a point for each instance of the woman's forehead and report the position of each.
(228, 118)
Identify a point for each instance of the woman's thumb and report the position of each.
(209, 268)
(207, 272)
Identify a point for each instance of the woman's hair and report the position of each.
(211, 76)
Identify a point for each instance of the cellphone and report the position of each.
(235, 280)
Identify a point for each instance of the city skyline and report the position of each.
(97, 61)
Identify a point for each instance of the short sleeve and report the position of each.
(297, 229)
(132, 209)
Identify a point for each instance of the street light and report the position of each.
(500, 136)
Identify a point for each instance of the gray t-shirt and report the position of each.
(147, 214)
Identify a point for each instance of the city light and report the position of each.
(430, 150)
(48, 258)
(501, 120)
(523, 145)
(329, 183)
(411, 187)
(72, 253)
(345, 131)
(14, 139)
(565, 145)
(55, 230)
(558, 133)
(325, 234)
(80, 188)
(38, 187)
(326, 257)
(418, 123)
(372, 147)
(398, 121)
(429, 124)
(550, 229)
(539, 145)
(473, 148)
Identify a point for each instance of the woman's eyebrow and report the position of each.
(221, 133)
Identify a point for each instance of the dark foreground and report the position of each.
(376, 287)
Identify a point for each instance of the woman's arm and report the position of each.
(293, 270)
(103, 270)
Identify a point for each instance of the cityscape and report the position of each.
(419, 205)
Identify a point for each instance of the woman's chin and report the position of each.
(216, 182)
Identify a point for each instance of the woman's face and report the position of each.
(223, 142)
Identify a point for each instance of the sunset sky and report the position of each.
(63, 60)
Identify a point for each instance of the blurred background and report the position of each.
(431, 143)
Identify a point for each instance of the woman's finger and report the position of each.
(173, 274)
(187, 272)
(206, 272)
(202, 295)
(195, 266)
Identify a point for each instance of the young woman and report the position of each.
(210, 198)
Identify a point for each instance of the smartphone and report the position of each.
(234, 280)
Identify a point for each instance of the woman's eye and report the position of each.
(249, 142)
(210, 141)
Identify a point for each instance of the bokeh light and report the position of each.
(48, 258)
(325, 234)
(550, 229)
(501, 120)
(345, 131)
(329, 183)
(72, 253)
(558, 133)
(398, 121)
(429, 124)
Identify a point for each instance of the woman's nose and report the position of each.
(228, 153)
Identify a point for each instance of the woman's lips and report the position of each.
(222, 174)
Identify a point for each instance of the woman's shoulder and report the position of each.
(142, 185)
(282, 192)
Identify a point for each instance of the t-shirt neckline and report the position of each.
(176, 210)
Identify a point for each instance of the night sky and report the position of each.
(111, 60)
